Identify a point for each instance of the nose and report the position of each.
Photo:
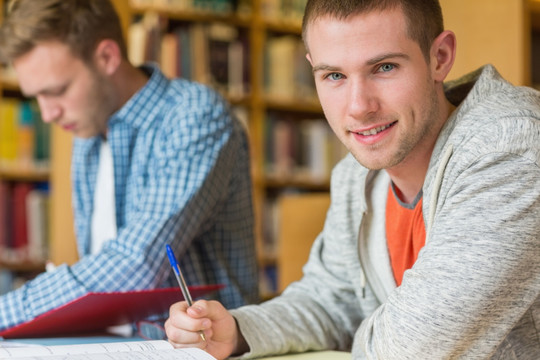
(50, 110)
(362, 99)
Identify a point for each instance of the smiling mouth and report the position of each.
(376, 130)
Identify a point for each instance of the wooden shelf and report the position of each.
(300, 181)
(24, 266)
(10, 85)
(283, 26)
(17, 172)
(295, 105)
(181, 14)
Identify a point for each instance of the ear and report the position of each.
(308, 57)
(107, 56)
(443, 53)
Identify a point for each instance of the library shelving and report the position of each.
(253, 33)
(24, 176)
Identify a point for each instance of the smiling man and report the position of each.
(431, 245)
(155, 161)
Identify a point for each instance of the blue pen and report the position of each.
(181, 281)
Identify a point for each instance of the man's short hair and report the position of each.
(80, 24)
(424, 17)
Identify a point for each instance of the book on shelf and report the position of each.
(23, 235)
(24, 137)
(306, 150)
(225, 59)
(4, 213)
(199, 52)
(37, 220)
(289, 11)
(8, 129)
(19, 221)
(42, 136)
(128, 350)
(287, 72)
(136, 39)
(215, 54)
(169, 55)
(213, 6)
(23, 220)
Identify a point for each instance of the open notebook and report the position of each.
(159, 349)
(135, 350)
(98, 311)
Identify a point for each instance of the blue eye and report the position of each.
(335, 76)
(387, 67)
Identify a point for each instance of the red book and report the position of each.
(4, 196)
(95, 312)
(19, 220)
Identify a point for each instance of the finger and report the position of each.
(210, 309)
(178, 307)
(180, 318)
(182, 337)
(198, 309)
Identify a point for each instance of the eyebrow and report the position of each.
(324, 67)
(384, 57)
(46, 91)
(370, 62)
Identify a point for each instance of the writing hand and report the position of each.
(222, 335)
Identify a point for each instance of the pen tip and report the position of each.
(170, 254)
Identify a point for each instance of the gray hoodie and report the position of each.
(473, 292)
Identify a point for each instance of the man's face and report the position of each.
(375, 87)
(69, 92)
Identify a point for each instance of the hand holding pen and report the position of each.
(181, 281)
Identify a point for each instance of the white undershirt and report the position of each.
(104, 214)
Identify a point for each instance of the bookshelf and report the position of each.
(24, 176)
(22, 171)
(481, 39)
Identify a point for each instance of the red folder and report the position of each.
(97, 311)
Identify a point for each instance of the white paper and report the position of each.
(158, 349)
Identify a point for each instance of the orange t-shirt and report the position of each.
(405, 234)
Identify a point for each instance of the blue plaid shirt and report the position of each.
(181, 171)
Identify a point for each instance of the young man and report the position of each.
(155, 161)
(450, 169)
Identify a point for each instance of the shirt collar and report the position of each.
(136, 111)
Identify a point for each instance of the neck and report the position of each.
(129, 80)
(408, 180)
(409, 175)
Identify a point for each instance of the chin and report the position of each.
(370, 162)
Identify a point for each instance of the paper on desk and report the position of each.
(122, 351)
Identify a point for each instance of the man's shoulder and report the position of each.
(496, 116)
(191, 92)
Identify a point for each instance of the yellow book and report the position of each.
(26, 134)
(8, 129)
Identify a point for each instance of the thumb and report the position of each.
(212, 310)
